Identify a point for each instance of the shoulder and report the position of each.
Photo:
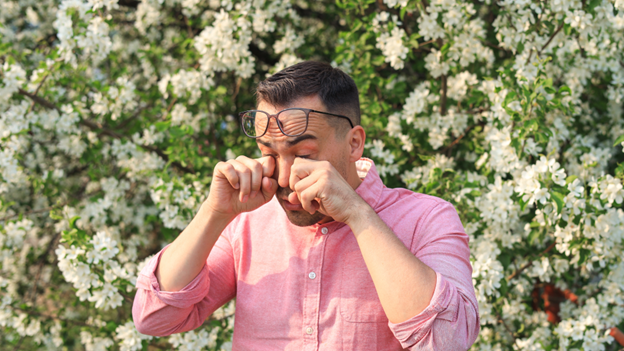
(400, 199)
(416, 218)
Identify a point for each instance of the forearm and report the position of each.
(404, 284)
(186, 256)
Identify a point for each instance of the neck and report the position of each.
(352, 176)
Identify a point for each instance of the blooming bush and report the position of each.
(113, 114)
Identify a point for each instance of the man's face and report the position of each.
(319, 142)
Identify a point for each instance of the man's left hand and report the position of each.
(318, 186)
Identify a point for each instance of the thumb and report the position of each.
(269, 187)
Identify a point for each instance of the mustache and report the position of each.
(283, 192)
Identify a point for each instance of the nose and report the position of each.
(282, 175)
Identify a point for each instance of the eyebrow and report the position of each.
(290, 142)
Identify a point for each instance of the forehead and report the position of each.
(318, 128)
(312, 102)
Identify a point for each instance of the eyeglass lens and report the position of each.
(293, 122)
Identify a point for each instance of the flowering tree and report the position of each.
(113, 114)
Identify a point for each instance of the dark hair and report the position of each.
(335, 88)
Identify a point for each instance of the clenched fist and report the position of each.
(318, 186)
(241, 185)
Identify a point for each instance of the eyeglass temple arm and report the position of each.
(331, 114)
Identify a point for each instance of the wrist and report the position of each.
(214, 216)
(359, 215)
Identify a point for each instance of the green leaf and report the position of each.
(558, 200)
(176, 132)
(509, 97)
(619, 140)
(570, 179)
(534, 235)
(445, 48)
(220, 90)
(504, 287)
(565, 89)
(72, 222)
(431, 186)
(111, 326)
(505, 260)
(162, 126)
(584, 253)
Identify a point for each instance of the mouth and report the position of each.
(289, 206)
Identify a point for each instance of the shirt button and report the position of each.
(309, 330)
(312, 275)
(324, 230)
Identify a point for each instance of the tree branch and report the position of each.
(530, 263)
(42, 210)
(127, 121)
(262, 55)
(33, 291)
(550, 39)
(459, 138)
(32, 105)
(49, 208)
(443, 96)
(129, 3)
(41, 101)
(38, 314)
(104, 130)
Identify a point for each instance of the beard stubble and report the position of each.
(298, 218)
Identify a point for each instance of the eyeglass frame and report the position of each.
(279, 123)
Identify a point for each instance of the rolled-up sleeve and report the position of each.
(161, 313)
(451, 320)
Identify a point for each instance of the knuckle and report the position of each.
(225, 166)
(257, 167)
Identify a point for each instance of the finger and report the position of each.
(306, 193)
(227, 171)
(256, 174)
(293, 198)
(269, 188)
(299, 185)
(309, 198)
(304, 183)
(299, 171)
(302, 168)
(244, 176)
(268, 165)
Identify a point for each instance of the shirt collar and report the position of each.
(371, 187)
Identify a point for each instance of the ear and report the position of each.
(356, 138)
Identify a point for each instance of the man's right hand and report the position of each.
(241, 185)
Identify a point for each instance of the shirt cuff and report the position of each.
(191, 294)
(443, 306)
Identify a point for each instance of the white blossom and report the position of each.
(391, 46)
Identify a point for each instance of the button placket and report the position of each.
(312, 292)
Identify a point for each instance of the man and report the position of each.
(317, 252)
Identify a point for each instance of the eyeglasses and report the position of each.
(291, 121)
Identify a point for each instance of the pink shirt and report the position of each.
(308, 288)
